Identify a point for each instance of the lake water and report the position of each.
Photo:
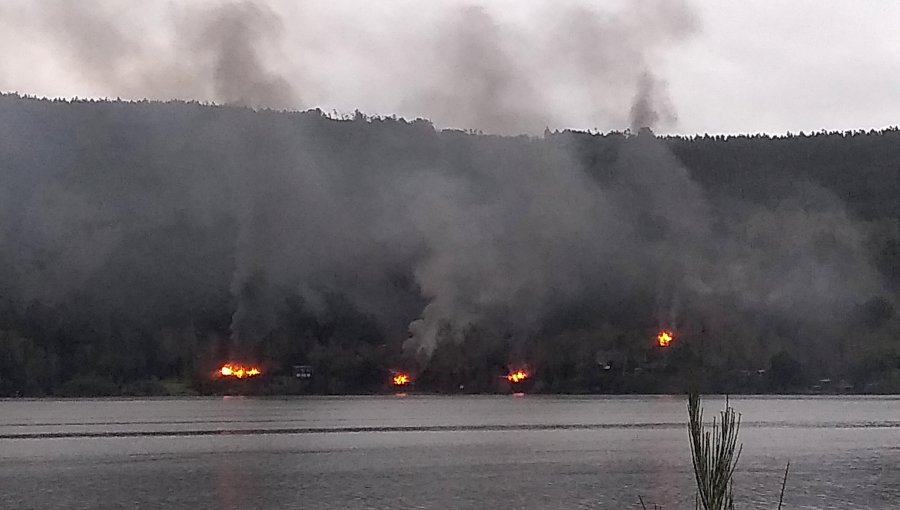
(516, 452)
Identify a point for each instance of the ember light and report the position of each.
(400, 379)
(517, 376)
(664, 338)
(238, 371)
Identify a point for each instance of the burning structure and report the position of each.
(517, 376)
(400, 380)
(238, 371)
(664, 338)
(517, 381)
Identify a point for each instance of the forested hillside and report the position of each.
(143, 244)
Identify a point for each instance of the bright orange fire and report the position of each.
(400, 379)
(517, 376)
(238, 371)
(664, 338)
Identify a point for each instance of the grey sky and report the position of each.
(721, 66)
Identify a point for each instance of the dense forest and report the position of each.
(143, 244)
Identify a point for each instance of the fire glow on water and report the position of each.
(239, 371)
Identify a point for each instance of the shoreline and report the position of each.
(598, 396)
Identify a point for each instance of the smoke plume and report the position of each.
(466, 65)
(429, 232)
(221, 52)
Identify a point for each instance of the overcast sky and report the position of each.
(716, 66)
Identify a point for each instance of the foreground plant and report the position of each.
(715, 454)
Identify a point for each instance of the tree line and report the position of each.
(126, 227)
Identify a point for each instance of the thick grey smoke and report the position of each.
(428, 232)
(550, 237)
(230, 42)
(508, 78)
(504, 233)
(434, 232)
(221, 51)
(650, 108)
(469, 65)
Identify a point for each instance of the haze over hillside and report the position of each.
(507, 66)
(150, 239)
(330, 253)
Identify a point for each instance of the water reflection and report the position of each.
(410, 451)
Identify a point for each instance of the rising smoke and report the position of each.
(438, 232)
(468, 65)
(213, 51)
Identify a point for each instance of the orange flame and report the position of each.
(400, 379)
(664, 338)
(238, 371)
(517, 376)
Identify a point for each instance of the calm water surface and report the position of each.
(523, 452)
